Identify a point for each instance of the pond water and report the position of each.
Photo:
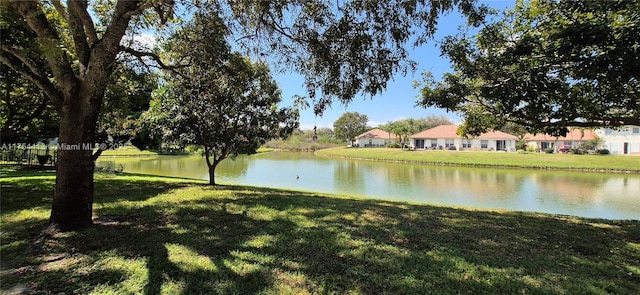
(600, 195)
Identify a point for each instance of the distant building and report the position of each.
(622, 141)
(445, 137)
(574, 139)
(375, 138)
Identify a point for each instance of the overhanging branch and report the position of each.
(48, 37)
(40, 81)
(142, 55)
(85, 18)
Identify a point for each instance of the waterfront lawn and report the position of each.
(128, 151)
(504, 159)
(156, 235)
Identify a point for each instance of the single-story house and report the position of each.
(574, 139)
(445, 137)
(622, 141)
(375, 138)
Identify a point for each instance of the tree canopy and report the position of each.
(26, 115)
(350, 125)
(406, 127)
(546, 65)
(222, 101)
(342, 48)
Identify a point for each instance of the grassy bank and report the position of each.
(489, 159)
(172, 236)
(127, 151)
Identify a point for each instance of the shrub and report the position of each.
(603, 151)
(548, 150)
(393, 145)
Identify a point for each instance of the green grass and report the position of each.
(156, 235)
(502, 159)
(127, 151)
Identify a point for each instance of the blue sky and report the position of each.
(398, 100)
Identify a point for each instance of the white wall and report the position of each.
(614, 140)
(375, 141)
(510, 144)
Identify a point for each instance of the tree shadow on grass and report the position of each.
(251, 240)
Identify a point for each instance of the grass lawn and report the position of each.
(156, 235)
(513, 160)
(127, 151)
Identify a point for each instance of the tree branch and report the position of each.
(83, 15)
(97, 154)
(83, 52)
(125, 9)
(48, 38)
(140, 55)
(22, 57)
(40, 81)
(60, 8)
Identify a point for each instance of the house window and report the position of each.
(419, 143)
(466, 143)
(546, 145)
(484, 144)
(448, 143)
(636, 130)
(434, 143)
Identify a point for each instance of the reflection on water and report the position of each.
(613, 196)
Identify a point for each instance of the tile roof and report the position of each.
(376, 133)
(449, 132)
(573, 134)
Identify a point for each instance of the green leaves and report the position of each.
(222, 100)
(350, 125)
(343, 48)
(546, 65)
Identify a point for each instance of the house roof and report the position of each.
(375, 134)
(573, 134)
(449, 132)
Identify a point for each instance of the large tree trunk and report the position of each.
(73, 198)
(77, 94)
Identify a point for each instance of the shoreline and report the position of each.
(330, 154)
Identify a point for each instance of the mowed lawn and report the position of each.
(503, 159)
(156, 235)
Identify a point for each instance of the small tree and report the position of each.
(228, 106)
(350, 125)
(403, 129)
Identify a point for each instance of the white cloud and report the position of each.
(142, 42)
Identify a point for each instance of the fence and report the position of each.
(29, 156)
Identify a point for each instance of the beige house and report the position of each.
(445, 137)
(574, 138)
(375, 138)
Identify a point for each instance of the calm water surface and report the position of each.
(602, 195)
